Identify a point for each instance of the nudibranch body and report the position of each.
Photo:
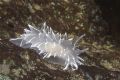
(55, 47)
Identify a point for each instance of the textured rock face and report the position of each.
(71, 16)
(74, 17)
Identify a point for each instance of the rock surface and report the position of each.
(102, 60)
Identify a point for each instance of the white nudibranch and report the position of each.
(55, 47)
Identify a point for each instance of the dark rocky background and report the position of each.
(111, 14)
(98, 19)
